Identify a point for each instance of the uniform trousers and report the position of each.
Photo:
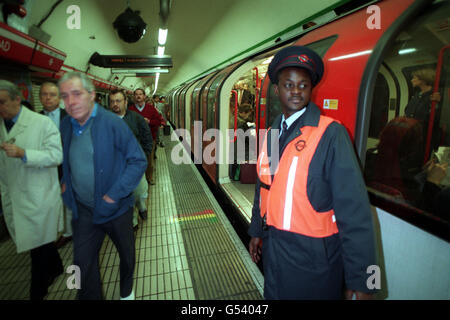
(87, 241)
(46, 265)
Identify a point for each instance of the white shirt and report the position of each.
(291, 119)
(54, 115)
(140, 108)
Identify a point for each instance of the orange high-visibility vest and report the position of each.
(284, 200)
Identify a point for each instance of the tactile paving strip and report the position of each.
(216, 267)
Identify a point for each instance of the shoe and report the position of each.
(161, 144)
(143, 214)
(130, 297)
(62, 241)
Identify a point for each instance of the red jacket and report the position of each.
(151, 114)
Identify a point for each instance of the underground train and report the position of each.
(373, 58)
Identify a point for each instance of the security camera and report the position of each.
(130, 26)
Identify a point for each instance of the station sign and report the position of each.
(131, 61)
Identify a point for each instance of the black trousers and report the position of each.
(46, 265)
(87, 241)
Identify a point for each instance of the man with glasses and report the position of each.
(118, 104)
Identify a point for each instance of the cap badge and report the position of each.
(305, 59)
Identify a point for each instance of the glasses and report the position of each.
(116, 101)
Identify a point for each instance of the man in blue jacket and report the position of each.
(103, 163)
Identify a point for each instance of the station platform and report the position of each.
(185, 250)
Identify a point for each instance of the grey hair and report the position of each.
(85, 81)
(48, 83)
(11, 88)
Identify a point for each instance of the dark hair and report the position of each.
(245, 107)
(139, 89)
(116, 91)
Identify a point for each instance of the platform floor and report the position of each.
(186, 249)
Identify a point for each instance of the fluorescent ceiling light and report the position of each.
(405, 51)
(160, 51)
(156, 83)
(162, 36)
(141, 70)
(352, 55)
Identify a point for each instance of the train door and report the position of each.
(198, 130)
(209, 141)
(186, 106)
(190, 100)
(213, 107)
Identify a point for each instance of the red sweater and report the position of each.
(150, 113)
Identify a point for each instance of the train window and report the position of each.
(273, 104)
(408, 148)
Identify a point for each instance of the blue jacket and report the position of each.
(119, 164)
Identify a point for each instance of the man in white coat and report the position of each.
(30, 151)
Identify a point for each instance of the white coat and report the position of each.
(31, 194)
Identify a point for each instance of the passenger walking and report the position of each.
(50, 99)
(159, 105)
(102, 166)
(30, 152)
(311, 209)
(154, 120)
(118, 104)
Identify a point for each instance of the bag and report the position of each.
(248, 173)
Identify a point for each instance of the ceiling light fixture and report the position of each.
(161, 51)
(162, 36)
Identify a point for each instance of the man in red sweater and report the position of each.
(154, 120)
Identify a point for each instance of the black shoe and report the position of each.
(143, 214)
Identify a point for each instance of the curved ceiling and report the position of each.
(202, 33)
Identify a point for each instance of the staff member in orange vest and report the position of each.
(311, 209)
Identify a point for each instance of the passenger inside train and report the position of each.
(409, 124)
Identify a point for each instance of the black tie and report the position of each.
(283, 137)
(8, 124)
